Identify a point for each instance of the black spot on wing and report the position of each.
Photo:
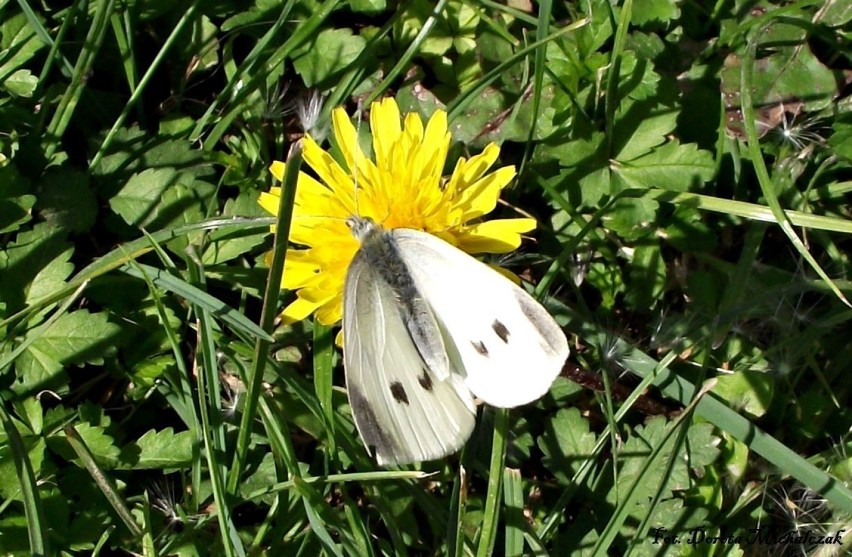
(377, 440)
(398, 392)
(425, 380)
(501, 331)
(480, 347)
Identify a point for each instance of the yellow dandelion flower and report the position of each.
(401, 187)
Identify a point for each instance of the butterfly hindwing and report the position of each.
(503, 341)
(403, 412)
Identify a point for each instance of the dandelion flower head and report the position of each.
(401, 185)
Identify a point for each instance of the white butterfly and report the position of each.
(427, 327)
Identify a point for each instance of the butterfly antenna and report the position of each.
(355, 154)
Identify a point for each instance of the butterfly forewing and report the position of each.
(403, 412)
(507, 346)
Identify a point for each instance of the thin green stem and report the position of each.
(268, 313)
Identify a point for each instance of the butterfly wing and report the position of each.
(402, 411)
(509, 347)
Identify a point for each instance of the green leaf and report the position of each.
(261, 478)
(18, 44)
(162, 449)
(787, 75)
(15, 200)
(638, 79)
(75, 338)
(647, 277)
(100, 444)
(632, 218)
(157, 198)
(146, 372)
(22, 83)
(138, 200)
(329, 53)
(699, 449)
(689, 232)
(34, 264)
(641, 126)
(66, 200)
(836, 13)
(200, 44)
(133, 152)
(228, 244)
(841, 139)
(566, 440)
(367, 6)
(10, 487)
(607, 280)
(747, 391)
(672, 166)
(182, 205)
(646, 11)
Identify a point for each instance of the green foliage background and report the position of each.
(689, 164)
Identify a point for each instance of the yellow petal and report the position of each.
(299, 309)
(430, 158)
(332, 175)
(386, 129)
(298, 273)
(277, 169)
(494, 236)
(331, 312)
(270, 201)
(481, 197)
(478, 165)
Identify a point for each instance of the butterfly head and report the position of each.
(362, 227)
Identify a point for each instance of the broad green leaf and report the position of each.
(747, 391)
(100, 444)
(671, 166)
(638, 79)
(262, 477)
(641, 126)
(36, 262)
(52, 277)
(841, 139)
(15, 199)
(10, 487)
(133, 152)
(647, 277)
(137, 202)
(226, 245)
(156, 199)
(180, 205)
(632, 218)
(329, 53)
(200, 44)
(789, 74)
(688, 231)
(74, 338)
(646, 11)
(700, 449)
(607, 280)
(146, 373)
(162, 449)
(673, 518)
(18, 43)
(368, 6)
(836, 12)
(21, 83)
(565, 443)
(65, 199)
